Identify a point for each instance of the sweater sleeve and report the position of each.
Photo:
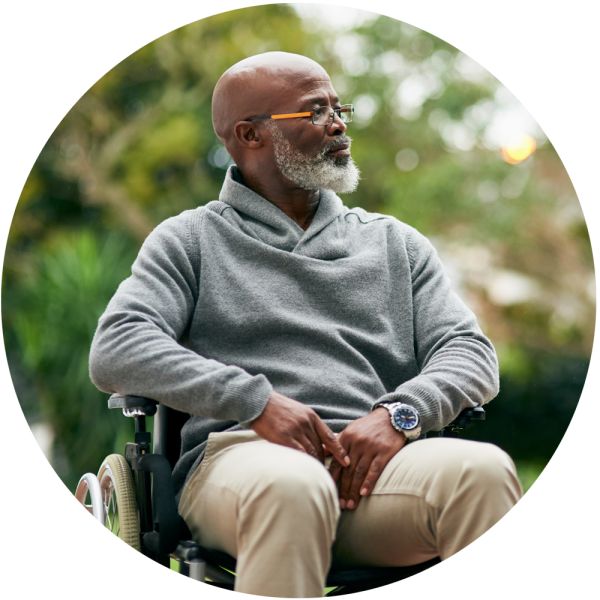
(137, 348)
(458, 367)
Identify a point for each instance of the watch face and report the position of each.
(406, 418)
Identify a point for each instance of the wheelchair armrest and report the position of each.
(477, 413)
(466, 417)
(135, 405)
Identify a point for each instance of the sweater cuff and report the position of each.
(248, 398)
(414, 395)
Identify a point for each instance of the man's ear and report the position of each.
(247, 134)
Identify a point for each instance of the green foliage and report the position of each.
(51, 317)
(139, 147)
(535, 405)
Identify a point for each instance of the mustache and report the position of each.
(340, 142)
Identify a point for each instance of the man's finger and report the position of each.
(313, 447)
(371, 478)
(356, 482)
(366, 473)
(344, 483)
(332, 443)
(335, 470)
(295, 445)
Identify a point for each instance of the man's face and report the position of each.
(325, 169)
(313, 156)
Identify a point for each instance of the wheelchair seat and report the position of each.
(138, 489)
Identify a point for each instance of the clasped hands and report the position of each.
(359, 453)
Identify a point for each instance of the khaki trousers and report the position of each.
(276, 509)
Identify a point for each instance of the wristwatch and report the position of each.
(405, 419)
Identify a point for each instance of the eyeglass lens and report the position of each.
(324, 115)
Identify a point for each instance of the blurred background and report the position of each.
(441, 145)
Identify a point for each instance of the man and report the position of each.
(312, 345)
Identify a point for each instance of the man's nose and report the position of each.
(337, 126)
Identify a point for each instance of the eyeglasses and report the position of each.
(321, 116)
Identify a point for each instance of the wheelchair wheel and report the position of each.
(119, 500)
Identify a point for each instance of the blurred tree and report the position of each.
(53, 314)
(432, 136)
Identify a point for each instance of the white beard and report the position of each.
(313, 172)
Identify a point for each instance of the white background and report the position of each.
(52, 52)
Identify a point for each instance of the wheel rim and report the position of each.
(88, 493)
(109, 502)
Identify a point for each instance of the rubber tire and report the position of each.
(118, 495)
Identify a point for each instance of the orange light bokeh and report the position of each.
(520, 151)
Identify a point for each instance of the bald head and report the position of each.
(253, 85)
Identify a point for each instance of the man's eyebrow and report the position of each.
(319, 100)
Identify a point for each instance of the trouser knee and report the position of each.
(477, 487)
(303, 500)
(474, 474)
(492, 470)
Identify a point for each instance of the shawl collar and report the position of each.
(268, 222)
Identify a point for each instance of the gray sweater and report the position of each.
(229, 301)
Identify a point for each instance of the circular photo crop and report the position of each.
(241, 262)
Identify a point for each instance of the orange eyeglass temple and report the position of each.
(291, 115)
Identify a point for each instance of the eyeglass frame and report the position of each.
(304, 115)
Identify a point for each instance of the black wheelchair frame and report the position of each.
(134, 496)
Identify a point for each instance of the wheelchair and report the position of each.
(133, 495)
